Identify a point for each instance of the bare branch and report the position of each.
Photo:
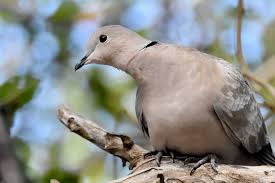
(244, 68)
(249, 75)
(146, 170)
(118, 145)
(180, 173)
(240, 57)
(10, 170)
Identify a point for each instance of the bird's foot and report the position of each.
(150, 153)
(172, 156)
(158, 155)
(210, 158)
(176, 155)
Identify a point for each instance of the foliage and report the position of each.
(16, 92)
(60, 175)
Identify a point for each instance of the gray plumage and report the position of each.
(187, 101)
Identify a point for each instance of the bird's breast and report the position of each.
(184, 120)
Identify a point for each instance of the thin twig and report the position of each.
(249, 75)
(244, 68)
(240, 57)
(269, 105)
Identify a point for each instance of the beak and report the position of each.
(81, 63)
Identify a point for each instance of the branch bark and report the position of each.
(118, 145)
(244, 68)
(146, 170)
(10, 170)
(240, 12)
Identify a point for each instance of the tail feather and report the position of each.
(265, 156)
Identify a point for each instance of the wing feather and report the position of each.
(139, 113)
(238, 112)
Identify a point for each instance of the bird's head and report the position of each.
(112, 45)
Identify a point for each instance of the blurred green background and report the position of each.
(42, 40)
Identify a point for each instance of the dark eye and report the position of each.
(102, 38)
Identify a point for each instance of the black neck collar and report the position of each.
(150, 44)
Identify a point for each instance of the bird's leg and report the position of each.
(150, 153)
(211, 158)
(158, 155)
(175, 155)
(172, 156)
(179, 156)
(190, 159)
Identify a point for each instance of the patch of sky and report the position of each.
(36, 121)
(251, 41)
(80, 34)
(142, 14)
(263, 9)
(13, 49)
(46, 8)
(44, 49)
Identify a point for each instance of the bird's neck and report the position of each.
(138, 66)
(129, 61)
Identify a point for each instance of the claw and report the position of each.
(151, 153)
(158, 157)
(190, 159)
(213, 164)
(208, 158)
(172, 156)
(123, 162)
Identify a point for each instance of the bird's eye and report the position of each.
(102, 38)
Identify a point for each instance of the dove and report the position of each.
(188, 103)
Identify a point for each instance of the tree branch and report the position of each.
(118, 145)
(240, 11)
(10, 170)
(244, 68)
(146, 170)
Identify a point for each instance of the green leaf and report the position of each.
(16, 92)
(66, 13)
(60, 175)
(60, 22)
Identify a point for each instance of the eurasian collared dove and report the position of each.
(187, 101)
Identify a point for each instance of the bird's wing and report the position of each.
(239, 114)
(139, 113)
